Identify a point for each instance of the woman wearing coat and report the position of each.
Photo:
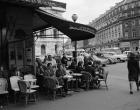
(133, 71)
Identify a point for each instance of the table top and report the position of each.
(67, 76)
(76, 74)
(30, 80)
(97, 72)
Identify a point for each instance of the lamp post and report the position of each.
(74, 18)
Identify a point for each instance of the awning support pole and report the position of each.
(76, 51)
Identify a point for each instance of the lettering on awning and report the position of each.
(86, 29)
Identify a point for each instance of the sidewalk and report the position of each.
(116, 98)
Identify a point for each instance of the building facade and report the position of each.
(50, 40)
(119, 26)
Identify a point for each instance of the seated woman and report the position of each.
(73, 65)
(48, 71)
(60, 72)
(80, 67)
(100, 70)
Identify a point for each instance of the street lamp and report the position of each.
(74, 18)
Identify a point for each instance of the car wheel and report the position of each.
(119, 60)
(103, 65)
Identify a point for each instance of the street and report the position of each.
(117, 97)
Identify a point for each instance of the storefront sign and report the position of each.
(54, 4)
(124, 44)
(82, 28)
(47, 3)
(26, 1)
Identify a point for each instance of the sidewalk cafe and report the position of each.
(19, 22)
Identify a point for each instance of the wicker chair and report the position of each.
(3, 89)
(14, 85)
(86, 79)
(104, 79)
(52, 85)
(30, 76)
(27, 92)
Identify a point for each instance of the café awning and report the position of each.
(75, 31)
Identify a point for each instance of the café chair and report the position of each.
(14, 85)
(27, 92)
(3, 89)
(104, 79)
(52, 85)
(86, 79)
(33, 84)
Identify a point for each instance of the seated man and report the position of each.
(80, 67)
(64, 60)
(48, 71)
(60, 72)
(89, 68)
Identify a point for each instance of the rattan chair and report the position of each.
(3, 89)
(33, 84)
(104, 79)
(86, 79)
(14, 85)
(52, 85)
(27, 92)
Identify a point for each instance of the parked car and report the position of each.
(103, 61)
(106, 56)
(126, 52)
(114, 59)
(119, 57)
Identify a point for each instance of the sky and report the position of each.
(87, 10)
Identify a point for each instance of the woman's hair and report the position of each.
(58, 65)
(80, 63)
(89, 63)
(49, 64)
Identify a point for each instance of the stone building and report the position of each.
(119, 26)
(51, 40)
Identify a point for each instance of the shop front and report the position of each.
(125, 46)
(16, 38)
(18, 24)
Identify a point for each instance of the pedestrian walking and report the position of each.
(133, 71)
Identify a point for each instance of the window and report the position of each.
(43, 49)
(134, 34)
(132, 13)
(125, 7)
(139, 3)
(56, 48)
(139, 21)
(125, 14)
(132, 5)
(119, 9)
(126, 34)
(42, 33)
(120, 15)
(139, 11)
(133, 23)
(126, 25)
(55, 33)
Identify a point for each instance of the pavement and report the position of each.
(117, 97)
